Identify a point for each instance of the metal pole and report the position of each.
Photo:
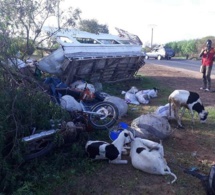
(152, 26)
(151, 38)
(58, 14)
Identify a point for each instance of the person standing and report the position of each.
(207, 54)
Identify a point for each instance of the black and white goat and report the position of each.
(148, 156)
(186, 99)
(103, 150)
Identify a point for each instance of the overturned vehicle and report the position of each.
(94, 57)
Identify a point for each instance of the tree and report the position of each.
(21, 30)
(93, 26)
(23, 105)
(23, 20)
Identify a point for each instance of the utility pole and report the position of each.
(58, 14)
(152, 26)
(152, 38)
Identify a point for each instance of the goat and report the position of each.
(186, 99)
(152, 93)
(103, 150)
(148, 156)
(130, 96)
(142, 97)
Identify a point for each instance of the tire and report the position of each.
(37, 148)
(109, 118)
(159, 57)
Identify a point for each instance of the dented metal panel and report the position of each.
(102, 70)
(94, 57)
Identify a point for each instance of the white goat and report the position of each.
(142, 97)
(148, 156)
(152, 93)
(189, 100)
(130, 96)
(103, 150)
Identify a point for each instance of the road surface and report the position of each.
(192, 65)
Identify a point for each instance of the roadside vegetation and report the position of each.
(67, 170)
(187, 49)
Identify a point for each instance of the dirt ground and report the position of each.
(187, 146)
(177, 78)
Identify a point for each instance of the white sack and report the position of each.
(76, 83)
(163, 111)
(151, 126)
(80, 84)
(119, 103)
(69, 103)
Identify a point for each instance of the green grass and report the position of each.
(62, 170)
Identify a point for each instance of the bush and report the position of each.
(22, 109)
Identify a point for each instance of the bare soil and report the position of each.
(192, 146)
(177, 78)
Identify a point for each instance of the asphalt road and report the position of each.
(192, 65)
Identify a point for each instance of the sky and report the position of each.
(171, 20)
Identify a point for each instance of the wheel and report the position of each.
(146, 57)
(159, 57)
(108, 115)
(37, 148)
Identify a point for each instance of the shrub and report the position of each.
(22, 109)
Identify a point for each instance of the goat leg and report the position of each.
(176, 111)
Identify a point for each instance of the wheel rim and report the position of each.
(107, 118)
(37, 148)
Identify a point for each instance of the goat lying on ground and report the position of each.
(130, 96)
(148, 156)
(152, 93)
(142, 97)
(189, 100)
(113, 151)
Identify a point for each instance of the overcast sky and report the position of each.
(172, 20)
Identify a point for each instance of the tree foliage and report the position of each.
(189, 48)
(23, 104)
(21, 21)
(93, 26)
(21, 110)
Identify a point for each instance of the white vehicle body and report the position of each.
(76, 45)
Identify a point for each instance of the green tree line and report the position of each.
(189, 48)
